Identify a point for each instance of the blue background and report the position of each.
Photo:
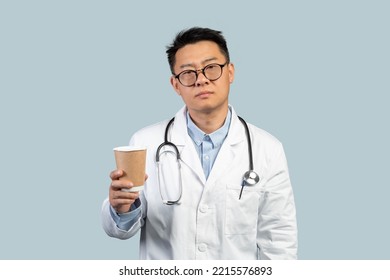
(77, 78)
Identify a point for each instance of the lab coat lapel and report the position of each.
(226, 158)
(182, 140)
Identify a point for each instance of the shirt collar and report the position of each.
(216, 138)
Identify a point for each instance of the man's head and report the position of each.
(201, 68)
(192, 36)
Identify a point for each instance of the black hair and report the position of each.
(192, 36)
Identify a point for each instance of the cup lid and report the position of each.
(129, 148)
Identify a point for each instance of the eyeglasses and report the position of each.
(212, 72)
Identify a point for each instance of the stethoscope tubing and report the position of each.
(250, 177)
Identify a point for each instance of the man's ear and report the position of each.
(175, 85)
(231, 72)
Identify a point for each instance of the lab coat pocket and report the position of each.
(241, 215)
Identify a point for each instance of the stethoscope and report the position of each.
(250, 177)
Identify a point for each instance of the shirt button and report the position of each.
(202, 247)
(206, 157)
(203, 208)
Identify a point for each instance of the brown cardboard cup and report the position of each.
(132, 161)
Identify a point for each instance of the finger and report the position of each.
(121, 199)
(124, 195)
(116, 174)
(119, 203)
(121, 184)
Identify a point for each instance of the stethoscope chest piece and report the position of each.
(251, 178)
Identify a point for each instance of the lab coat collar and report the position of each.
(179, 136)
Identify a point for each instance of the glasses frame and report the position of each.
(202, 70)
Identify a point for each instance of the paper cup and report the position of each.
(132, 161)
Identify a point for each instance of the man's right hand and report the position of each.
(120, 200)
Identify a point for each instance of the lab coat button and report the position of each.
(203, 208)
(202, 247)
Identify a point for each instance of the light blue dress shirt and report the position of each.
(207, 147)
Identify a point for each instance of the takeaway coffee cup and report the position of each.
(131, 160)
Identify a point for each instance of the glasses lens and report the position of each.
(187, 78)
(213, 72)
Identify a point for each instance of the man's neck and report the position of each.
(210, 121)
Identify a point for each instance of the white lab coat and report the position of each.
(211, 222)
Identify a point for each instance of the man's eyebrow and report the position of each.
(203, 62)
(187, 65)
(209, 60)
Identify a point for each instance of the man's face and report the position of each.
(204, 96)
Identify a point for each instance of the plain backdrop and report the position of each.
(78, 78)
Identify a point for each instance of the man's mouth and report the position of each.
(203, 94)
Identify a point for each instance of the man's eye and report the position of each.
(212, 67)
(187, 73)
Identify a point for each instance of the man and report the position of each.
(199, 207)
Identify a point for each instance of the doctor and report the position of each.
(200, 206)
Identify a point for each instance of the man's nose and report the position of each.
(201, 79)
